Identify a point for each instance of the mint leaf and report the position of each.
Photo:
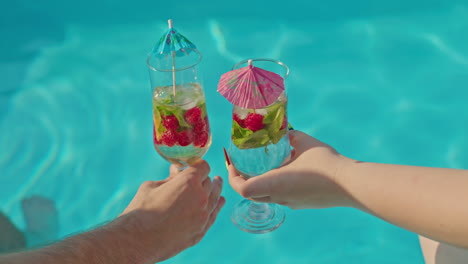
(274, 128)
(240, 133)
(163, 110)
(203, 109)
(277, 136)
(258, 139)
(179, 113)
(253, 140)
(272, 113)
(245, 138)
(239, 142)
(278, 121)
(167, 100)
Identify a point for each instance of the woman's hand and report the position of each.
(310, 180)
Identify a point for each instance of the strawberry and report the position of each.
(239, 121)
(199, 127)
(254, 122)
(170, 122)
(169, 138)
(201, 139)
(183, 138)
(193, 115)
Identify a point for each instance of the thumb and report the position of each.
(260, 186)
(301, 142)
(173, 170)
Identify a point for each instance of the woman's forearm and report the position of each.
(107, 245)
(429, 201)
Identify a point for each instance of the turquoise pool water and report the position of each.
(381, 81)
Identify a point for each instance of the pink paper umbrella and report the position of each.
(251, 87)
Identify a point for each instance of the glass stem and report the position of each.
(182, 168)
(258, 211)
(258, 207)
(181, 165)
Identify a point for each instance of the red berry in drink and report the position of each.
(239, 121)
(254, 122)
(199, 127)
(193, 115)
(169, 138)
(170, 122)
(200, 139)
(183, 138)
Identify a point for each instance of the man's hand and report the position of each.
(171, 215)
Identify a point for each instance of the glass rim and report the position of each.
(151, 67)
(268, 60)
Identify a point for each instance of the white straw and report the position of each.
(173, 75)
(170, 24)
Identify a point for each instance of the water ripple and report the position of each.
(443, 47)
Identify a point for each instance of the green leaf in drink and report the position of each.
(274, 128)
(272, 113)
(272, 133)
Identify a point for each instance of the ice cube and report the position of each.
(261, 111)
(282, 97)
(241, 112)
(188, 104)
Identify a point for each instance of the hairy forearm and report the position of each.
(428, 201)
(111, 244)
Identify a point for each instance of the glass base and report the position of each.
(257, 218)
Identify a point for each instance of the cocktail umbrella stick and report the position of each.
(173, 53)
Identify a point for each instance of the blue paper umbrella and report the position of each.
(173, 43)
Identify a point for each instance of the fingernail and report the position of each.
(226, 157)
(290, 127)
(219, 179)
